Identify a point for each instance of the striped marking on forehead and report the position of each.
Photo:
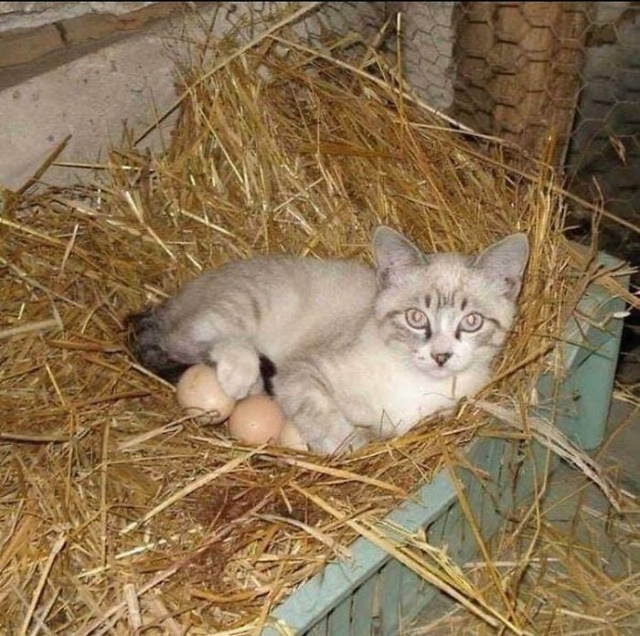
(439, 300)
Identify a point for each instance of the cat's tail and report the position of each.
(144, 340)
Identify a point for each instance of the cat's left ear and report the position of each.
(506, 260)
(392, 252)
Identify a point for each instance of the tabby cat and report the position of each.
(350, 353)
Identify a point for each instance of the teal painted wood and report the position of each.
(340, 618)
(411, 588)
(582, 405)
(326, 590)
(443, 531)
(489, 506)
(320, 628)
(591, 352)
(390, 597)
(362, 608)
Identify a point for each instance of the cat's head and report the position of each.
(447, 312)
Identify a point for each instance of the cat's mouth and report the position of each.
(434, 370)
(440, 372)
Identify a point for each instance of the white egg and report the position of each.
(256, 420)
(199, 393)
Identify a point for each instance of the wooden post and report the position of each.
(517, 71)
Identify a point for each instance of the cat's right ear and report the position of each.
(392, 252)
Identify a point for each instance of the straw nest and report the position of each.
(118, 512)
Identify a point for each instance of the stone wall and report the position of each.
(30, 15)
(81, 69)
(86, 68)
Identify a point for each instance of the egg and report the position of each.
(256, 420)
(199, 393)
(290, 437)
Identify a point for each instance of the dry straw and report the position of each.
(568, 563)
(117, 512)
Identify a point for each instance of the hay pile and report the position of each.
(114, 509)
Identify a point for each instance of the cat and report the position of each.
(350, 353)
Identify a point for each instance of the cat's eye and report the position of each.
(416, 318)
(472, 322)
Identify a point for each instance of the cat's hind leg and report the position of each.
(235, 358)
(306, 400)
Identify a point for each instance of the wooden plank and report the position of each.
(594, 383)
(362, 608)
(591, 380)
(455, 531)
(320, 629)
(390, 576)
(439, 533)
(590, 353)
(318, 596)
(340, 619)
(411, 589)
(485, 509)
(484, 456)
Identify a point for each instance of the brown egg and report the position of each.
(200, 394)
(290, 437)
(256, 420)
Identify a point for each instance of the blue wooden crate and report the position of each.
(374, 593)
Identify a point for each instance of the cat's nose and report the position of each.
(441, 358)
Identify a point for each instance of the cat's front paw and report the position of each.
(237, 368)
